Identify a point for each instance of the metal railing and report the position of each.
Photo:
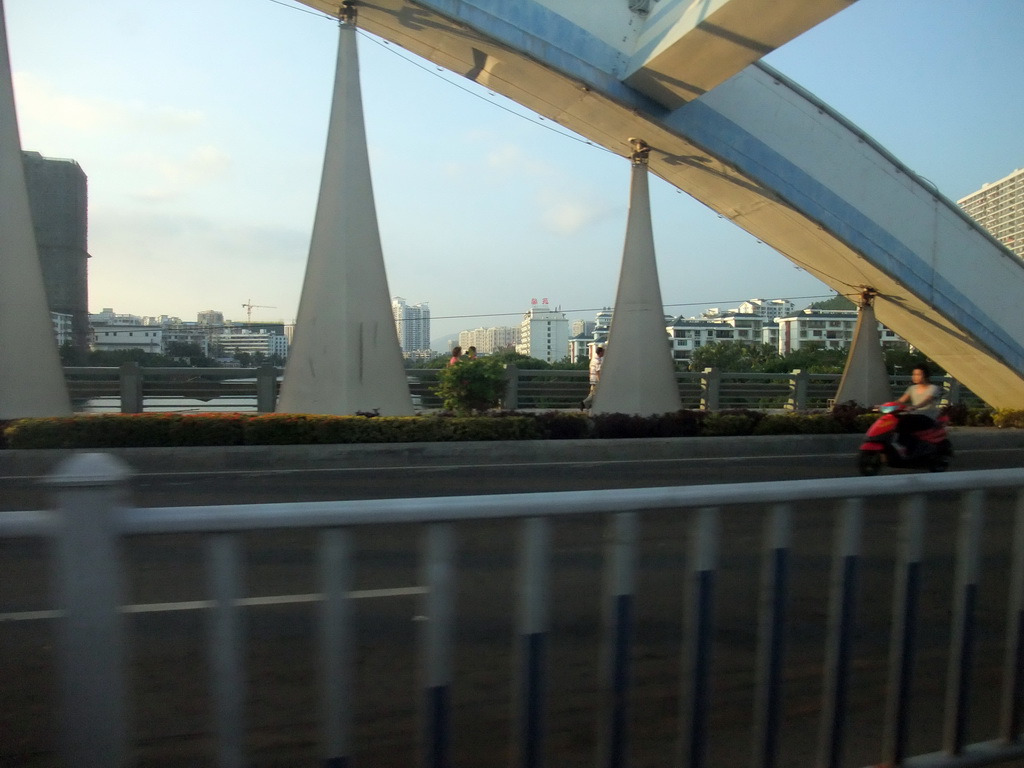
(135, 389)
(91, 526)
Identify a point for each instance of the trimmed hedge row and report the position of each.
(174, 429)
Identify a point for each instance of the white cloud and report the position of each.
(41, 102)
(168, 176)
(568, 217)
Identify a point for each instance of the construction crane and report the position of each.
(249, 307)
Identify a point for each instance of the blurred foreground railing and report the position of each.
(91, 526)
(135, 389)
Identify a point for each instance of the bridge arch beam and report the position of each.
(751, 145)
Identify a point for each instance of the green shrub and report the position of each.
(284, 428)
(1008, 417)
(173, 429)
(726, 425)
(614, 426)
(559, 425)
(847, 415)
(476, 428)
(471, 385)
(679, 424)
(115, 430)
(207, 429)
(980, 417)
(736, 422)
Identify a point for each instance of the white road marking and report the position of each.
(196, 605)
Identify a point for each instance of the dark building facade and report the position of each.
(58, 199)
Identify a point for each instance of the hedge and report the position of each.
(197, 429)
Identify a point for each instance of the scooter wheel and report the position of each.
(939, 464)
(869, 462)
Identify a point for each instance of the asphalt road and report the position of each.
(569, 473)
(168, 681)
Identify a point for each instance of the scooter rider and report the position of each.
(923, 397)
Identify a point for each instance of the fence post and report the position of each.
(90, 639)
(710, 389)
(266, 389)
(951, 391)
(511, 400)
(131, 388)
(798, 390)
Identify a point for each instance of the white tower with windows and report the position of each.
(544, 333)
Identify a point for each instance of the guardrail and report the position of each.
(135, 389)
(91, 527)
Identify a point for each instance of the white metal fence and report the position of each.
(91, 524)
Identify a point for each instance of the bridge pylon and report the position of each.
(637, 375)
(345, 357)
(865, 380)
(31, 379)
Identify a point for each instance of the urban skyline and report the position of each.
(179, 152)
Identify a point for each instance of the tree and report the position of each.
(836, 302)
(901, 360)
(471, 385)
(811, 358)
(189, 352)
(733, 356)
(511, 357)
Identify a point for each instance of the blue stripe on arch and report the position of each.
(623, 632)
(700, 716)
(966, 660)
(780, 580)
(1018, 681)
(701, 123)
(843, 654)
(532, 715)
(906, 659)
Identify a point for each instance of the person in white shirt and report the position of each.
(923, 397)
(595, 377)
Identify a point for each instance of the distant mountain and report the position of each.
(441, 343)
(836, 302)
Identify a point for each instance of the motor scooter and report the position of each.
(925, 449)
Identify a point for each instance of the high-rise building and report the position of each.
(412, 322)
(999, 208)
(57, 198)
(581, 327)
(544, 333)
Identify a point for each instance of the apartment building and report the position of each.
(544, 333)
(999, 208)
(826, 329)
(490, 340)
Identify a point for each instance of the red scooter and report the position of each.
(924, 449)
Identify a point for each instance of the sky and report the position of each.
(201, 127)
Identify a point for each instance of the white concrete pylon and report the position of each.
(345, 356)
(637, 375)
(31, 378)
(865, 380)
